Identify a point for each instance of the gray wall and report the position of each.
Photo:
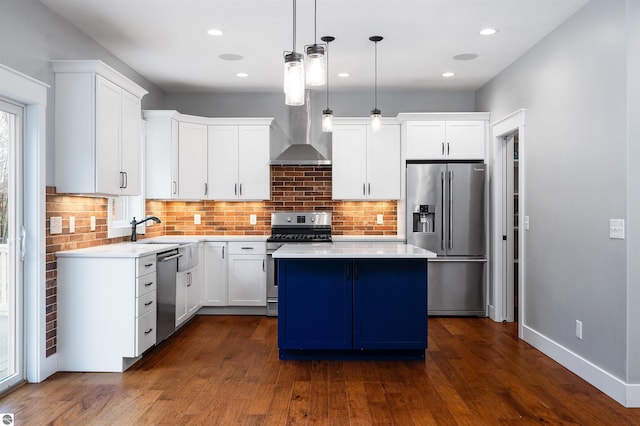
(343, 104)
(573, 85)
(32, 35)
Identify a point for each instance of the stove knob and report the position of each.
(313, 219)
(288, 218)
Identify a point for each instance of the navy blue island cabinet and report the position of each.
(352, 308)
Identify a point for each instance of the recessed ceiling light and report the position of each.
(448, 74)
(344, 75)
(465, 56)
(242, 75)
(488, 31)
(230, 57)
(215, 32)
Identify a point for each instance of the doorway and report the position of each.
(508, 220)
(12, 239)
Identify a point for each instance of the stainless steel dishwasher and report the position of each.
(167, 268)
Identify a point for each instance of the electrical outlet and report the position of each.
(55, 225)
(579, 329)
(253, 219)
(526, 223)
(197, 219)
(72, 224)
(616, 229)
(380, 219)
(92, 223)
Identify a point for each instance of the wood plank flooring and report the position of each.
(223, 370)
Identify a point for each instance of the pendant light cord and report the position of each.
(294, 25)
(327, 75)
(315, 21)
(376, 76)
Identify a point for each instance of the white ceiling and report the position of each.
(166, 40)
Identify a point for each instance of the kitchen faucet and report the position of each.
(134, 224)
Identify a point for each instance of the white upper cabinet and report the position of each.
(97, 129)
(192, 161)
(444, 136)
(366, 163)
(238, 161)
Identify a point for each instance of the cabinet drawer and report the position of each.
(146, 265)
(247, 247)
(146, 332)
(145, 304)
(146, 284)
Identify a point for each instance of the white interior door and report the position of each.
(11, 246)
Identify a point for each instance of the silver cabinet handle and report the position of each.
(206, 188)
(247, 248)
(450, 209)
(174, 185)
(148, 331)
(148, 265)
(223, 252)
(121, 180)
(235, 189)
(364, 189)
(263, 260)
(23, 242)
(189, 279)
(442, 148)
(240, 189)
(126, 180)
(148, 284)
(442, 209)
(369, 189)
(148, 303)
(447, 148)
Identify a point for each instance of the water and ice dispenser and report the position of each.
(424, 216)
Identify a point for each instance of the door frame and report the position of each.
(514, 122)
(32, 93)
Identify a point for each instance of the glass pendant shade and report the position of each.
(293, 79)
(376, 117)
(315, 63)
(327, 120)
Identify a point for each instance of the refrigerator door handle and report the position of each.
(450, 236)
(442, 210)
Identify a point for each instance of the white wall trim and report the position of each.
(626, 394)
(24, 89)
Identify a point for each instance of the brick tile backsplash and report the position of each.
(293, 188)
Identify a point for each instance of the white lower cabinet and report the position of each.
(215, 274)
(106, 311)
(189, 291)
(235, 273)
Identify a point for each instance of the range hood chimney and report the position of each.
(301, 152)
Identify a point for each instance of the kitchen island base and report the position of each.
(360, 308)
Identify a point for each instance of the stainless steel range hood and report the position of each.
(302, 125)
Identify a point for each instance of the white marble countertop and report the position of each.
(179, 239)
(137, 249)
(352, 250)
(367, 238)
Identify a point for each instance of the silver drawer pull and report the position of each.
(148, 303)
(148, 284)
(248, 248)
(148, 331)
(148, 265)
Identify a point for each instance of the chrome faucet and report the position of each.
(134, 224)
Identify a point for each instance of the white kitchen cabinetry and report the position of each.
(247, 285)
(215, 274)
(189, 290)
(176, 156)
(97, 131)
(366, 163)
(445, 136)
(238, 161)
(106, 311)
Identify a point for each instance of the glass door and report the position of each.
(11, 246)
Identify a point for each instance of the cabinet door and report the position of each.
(223, 162)
(130, 144)
(192, 161)
(194, 292)
(383, 163)
(426, 140)
(254, 172)
(390, 304)
(182, 282)
(465, 139)
(315, 304)
(247, 280)
(215, 274)
(107, 154)
(349, 148)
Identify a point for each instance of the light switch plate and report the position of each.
(253, 219)
(616, 229)
(380, 219)
(92, 223)
(55, 225)
(197, 219)
(526, 223)
(72, 224)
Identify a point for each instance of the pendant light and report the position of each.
(376, 114)
(327, 114)
(315, 56)
(293, 72)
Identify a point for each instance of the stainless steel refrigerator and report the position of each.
(446, 214)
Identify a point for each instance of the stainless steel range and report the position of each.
(292, 227)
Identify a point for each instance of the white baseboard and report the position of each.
(626, 394)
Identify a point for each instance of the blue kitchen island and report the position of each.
(352, 301)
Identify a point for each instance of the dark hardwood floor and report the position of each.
(222, 370)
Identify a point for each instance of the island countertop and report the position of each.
(352, 250)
